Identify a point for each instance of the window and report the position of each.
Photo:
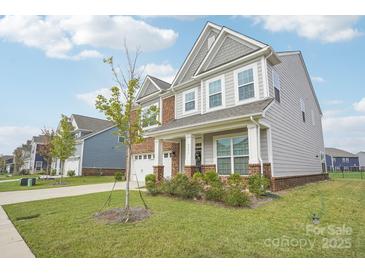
(149, 156)
(189, 100)
(38, 165)
(276, 84)
(140, 157)
(313, 118)
(302, 108)
(145, 156)
(136, 157)
(121, 139)
(232, 155)
(215, 93)
(150, 116)
(246, 88)
(165, 155)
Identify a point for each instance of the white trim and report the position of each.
(201, 96)
(230, 136)
(252, 66)
(96, 133)
(207, 82)
(144, 83)
(195, 90)
(81, 158)
(197, 42)
(265, 76)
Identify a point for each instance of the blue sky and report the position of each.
(53, 65)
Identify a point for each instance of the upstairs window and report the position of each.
(276, 84)
(150, 116)
(302, 109)
(215, 93)
(246, 88)
(120, 139)
(189, 101)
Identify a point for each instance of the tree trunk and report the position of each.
(128, 170)
(62, 165)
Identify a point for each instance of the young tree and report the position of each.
(121, 109)
(2, 164)
(18, 159)
(63, 142)
(45, 150)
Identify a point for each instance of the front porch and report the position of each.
(242, 147)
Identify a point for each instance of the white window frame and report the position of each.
(230, 136)
(207, 108)
(40, 167)
(255, 84)
(119, 139)
(302, 109)
(275, 74)
(195, 90)
(158, 115)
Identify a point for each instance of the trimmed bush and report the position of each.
(214, 190)
(151, 184)
(234, 196)
(258, 184)
(185, 188)
(53, 172)
(235, 180)
(71, 173)
(118, 176)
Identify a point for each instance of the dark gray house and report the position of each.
(98, 148)
(338, 159)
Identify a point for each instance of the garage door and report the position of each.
(142, 164)
(72, 164)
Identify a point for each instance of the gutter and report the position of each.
(258, 145)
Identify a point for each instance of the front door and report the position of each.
(198, 157)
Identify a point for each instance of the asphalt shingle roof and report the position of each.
(91, 124)
(335, 152)
(233, 112)
(162, 84)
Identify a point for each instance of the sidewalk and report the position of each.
(12, 244)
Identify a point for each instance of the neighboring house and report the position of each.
(26, 148)
(37, 163)
(361, 156)
(338, 159)
(9, 163)
(99, 150)
(235, 106)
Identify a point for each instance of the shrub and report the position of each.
(168, 187)
(258, 184)
(118, 176)
(235, 180)
(151, 184)
(234, 196)
(71, 173)
(53, 172)
(214, 190)
(24, 172)
(185, 188)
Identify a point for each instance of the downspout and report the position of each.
(258, 145)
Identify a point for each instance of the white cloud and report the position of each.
(60, 36)
(317, 79)
(12, 136)
(344, 131)
(162, 71)
(90, 97)
(360, 106)
(328, 29)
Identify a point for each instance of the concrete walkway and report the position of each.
(11, 243)
(10, 180)
(13, 197)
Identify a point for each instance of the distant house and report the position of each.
(361, 156)
(9, 163)
(99, 150)
(36, 161)
(338, 159)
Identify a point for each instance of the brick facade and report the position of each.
(206, 168)
(175, 160)
(281, 183)
(100, 171)
(168, 109)
(158, 171)
(189, 171)
(256, 169)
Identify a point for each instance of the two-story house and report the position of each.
(338, 159)
(235, 106)
(98, 149)
(36, 161)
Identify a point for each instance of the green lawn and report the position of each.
(348, 175)
(70, 181)
(65, 227)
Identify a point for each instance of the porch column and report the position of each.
(189, 155)
(253, 162)
(158, 161)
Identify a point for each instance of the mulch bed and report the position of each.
(121, 215)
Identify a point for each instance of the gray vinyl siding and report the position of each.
(104, 151)
(229, 50)
(78, 149)
(264, 146)
(229, 84)
(180, 101)
(149, 89)
(197, 58)
(296, 145)
(269, 77)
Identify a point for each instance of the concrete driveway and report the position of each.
(11, 243)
